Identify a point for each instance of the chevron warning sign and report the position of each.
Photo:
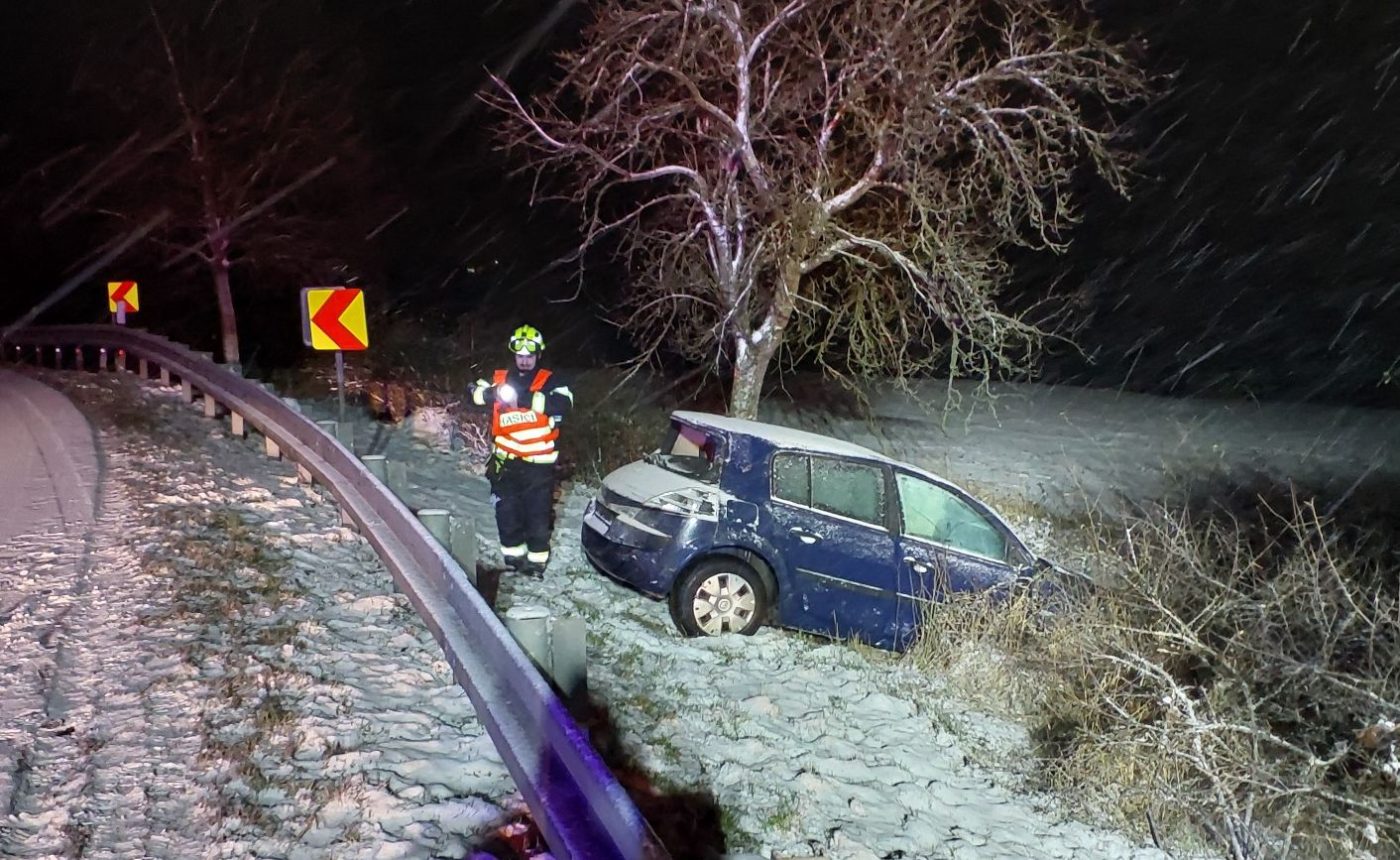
(123, 291)
(334, 318)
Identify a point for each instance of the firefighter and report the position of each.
(527, 405)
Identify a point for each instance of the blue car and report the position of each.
(738, 523)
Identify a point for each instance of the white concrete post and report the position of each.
(438, 523)
(568, 654)
(143, 368)
(530, 627)
(187, 390)
(165, 377)
(211, 406)
(463, 545)
(237, 426)
(270, 447)
(397, 474)
(375, 463)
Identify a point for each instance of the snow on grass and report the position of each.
(300, 710)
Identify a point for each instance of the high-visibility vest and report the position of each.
(524, 431)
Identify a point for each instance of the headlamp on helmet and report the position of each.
(526, 340)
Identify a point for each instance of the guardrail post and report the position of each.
(57, 358)
(101, 359)
(530, 627)
(342, 432)
(438, 523)
(165, 377)
(375, 464)
(568, 654)
(237, 426)
(271, 449)
(558, 646)
(187, 390)
(211, 406)
(463, 545)
(304, 475)
(122, 364)
(397, 477)
(143, 368)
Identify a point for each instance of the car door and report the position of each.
(946, 544)
(830, 520)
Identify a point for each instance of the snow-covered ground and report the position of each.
(249, 687)
(218, 669)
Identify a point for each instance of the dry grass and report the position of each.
(1235, 683)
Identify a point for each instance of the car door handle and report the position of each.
(804, 535)
(919, 567)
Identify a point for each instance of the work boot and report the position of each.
(515, 562)
(533, 568)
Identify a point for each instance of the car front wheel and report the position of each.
(719, 595)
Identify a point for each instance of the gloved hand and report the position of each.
(493, 471)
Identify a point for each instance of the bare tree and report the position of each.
(834, 178)
(250, 140)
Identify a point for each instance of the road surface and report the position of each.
(49, 488)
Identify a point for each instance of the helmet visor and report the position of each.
(524, 346)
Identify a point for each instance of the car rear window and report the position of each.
(690, 451)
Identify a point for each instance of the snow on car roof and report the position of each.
(779, 435)
(816, 443)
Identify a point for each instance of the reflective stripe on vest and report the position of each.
(524, 433)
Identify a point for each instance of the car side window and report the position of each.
(792, 479)
(937, 514)
(854, 490)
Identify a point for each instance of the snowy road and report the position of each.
(200, 661)
(48, 462)
(48, 503)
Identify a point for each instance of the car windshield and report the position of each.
(690, 451)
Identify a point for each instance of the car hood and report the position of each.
(641, 480)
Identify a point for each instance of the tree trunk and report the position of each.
(228, 322)
(754, 352)
(750, 367)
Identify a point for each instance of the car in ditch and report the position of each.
(739, 523)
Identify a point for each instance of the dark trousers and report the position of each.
(524, 502)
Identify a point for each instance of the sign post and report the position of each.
(333, 318)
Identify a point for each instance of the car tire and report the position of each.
(719, 595)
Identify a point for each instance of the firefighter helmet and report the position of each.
(526, 340)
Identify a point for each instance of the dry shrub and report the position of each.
(1236, 680)
(613, 422)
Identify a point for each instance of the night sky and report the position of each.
(1257, 256)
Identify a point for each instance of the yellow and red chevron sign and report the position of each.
(123, 291)
(333, 318)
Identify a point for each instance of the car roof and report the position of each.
(780, 436)
(787, 437)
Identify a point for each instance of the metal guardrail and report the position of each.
(580, 808)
